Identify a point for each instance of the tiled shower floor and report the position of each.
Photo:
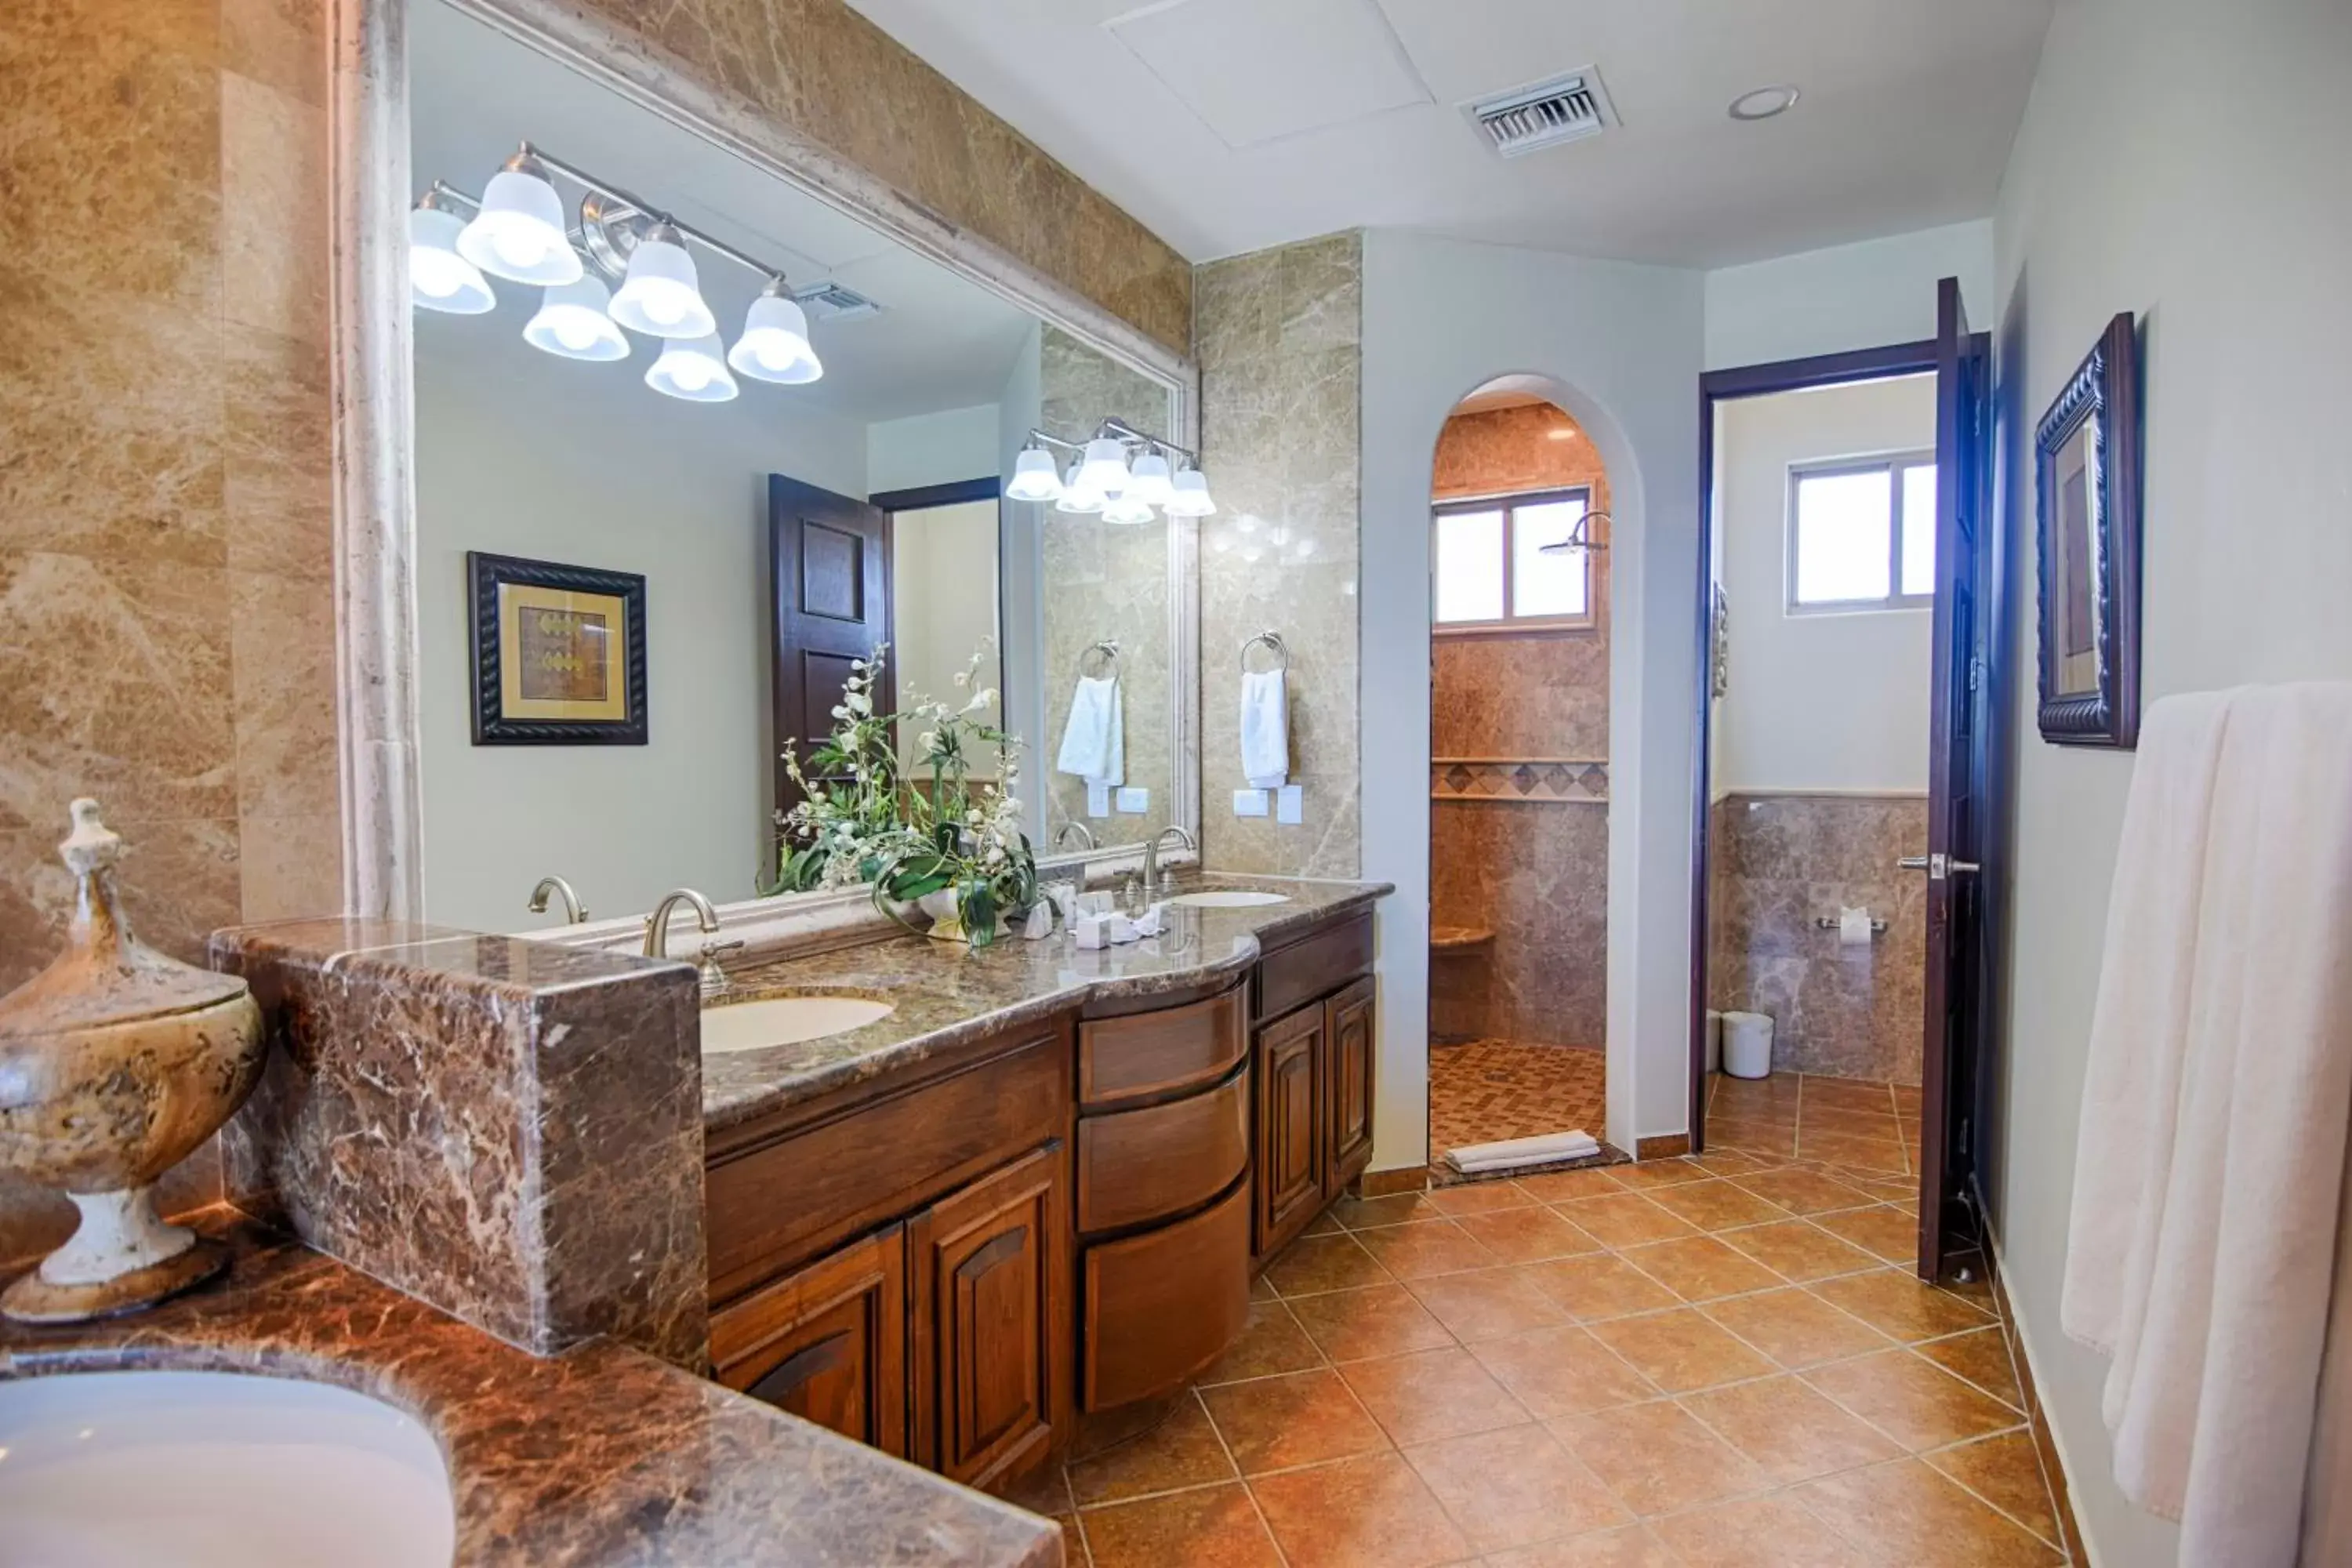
(1687, 1363)
(1486, 1090)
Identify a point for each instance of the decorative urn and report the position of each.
(116, 1063)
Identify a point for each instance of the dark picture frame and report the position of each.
(568, 676)
(2086, 487)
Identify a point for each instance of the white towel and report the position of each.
(1094, 741)
(1266, 729)
(2208, 1168)
(1545, 1149)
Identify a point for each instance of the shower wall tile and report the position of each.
(1536, 874)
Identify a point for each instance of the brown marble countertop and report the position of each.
(946, 994)
(598, 1458)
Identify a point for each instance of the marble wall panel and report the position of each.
(1778, 864)
(1278, 335)
(1536, 874)
(510, 1130)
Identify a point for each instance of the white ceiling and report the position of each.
(1229, 126)
(940, 342)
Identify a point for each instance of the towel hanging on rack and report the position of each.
(1094, 738)
(1265, 716)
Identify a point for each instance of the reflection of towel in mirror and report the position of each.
(1266, 729)
(1093, 742)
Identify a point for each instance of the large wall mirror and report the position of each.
(646, 566)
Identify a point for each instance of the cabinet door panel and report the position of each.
(991, 1320)
(1290, 1126)
(828, 1343)
(1351, 1047)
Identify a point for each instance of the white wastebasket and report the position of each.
(1747, 1045)
(1714, 1040)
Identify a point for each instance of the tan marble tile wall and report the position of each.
(1777, 863)
(1279, 335)
(1537, 874)
(1530, 446)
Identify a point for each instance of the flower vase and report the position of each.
(947, 915)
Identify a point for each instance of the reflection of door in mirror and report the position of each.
(831, 558)
(946, 643)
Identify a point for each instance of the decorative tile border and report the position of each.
(1549, 779)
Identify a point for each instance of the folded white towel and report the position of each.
(1266, 729)
(1094, 741)
(1509, 1152)
(2208, 1174)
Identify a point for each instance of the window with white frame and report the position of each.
(1862, 535)
(1492, 572)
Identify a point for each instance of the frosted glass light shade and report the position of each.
(694, 369)
(438, 278)
(1103, 470)
(518, 233)
(572, 322)
(1149, 482)
(1034, 478)
(1075, 498)
(662, 295)
(1126, 510)
(1189, 496)
(774, 347)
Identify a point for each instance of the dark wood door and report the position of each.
(1958, 779)
(1290, 1127)
(828, 1343)
(992, 1314)
(1348, 1056)
(829, 559)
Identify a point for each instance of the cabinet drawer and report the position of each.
(1145, 1056)
(1139, 1166)
(828, 1344)
(1161, 1306)
(1315, 965)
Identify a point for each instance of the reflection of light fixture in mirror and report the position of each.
(1580, 536)
(1034, 478)
(1148, 481)
(1075, 498)
(662, 296)
(1188, 495)
(694, 369)
(572, 322)
(774, 345)
(1126, 508)
(517, 233)
(438, 278)
(1103, 469)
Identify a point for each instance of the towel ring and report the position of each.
(1107, 647)
(1273, 640)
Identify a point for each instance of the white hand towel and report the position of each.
(1094, 741)
(1266, 729)
(2208, 1165)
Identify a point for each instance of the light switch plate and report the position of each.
(1097, 799)
(1134, 800)
(1290, 804)
(1249, 803)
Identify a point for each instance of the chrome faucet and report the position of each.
(1154, 883)
(1075, 829)
(574, 911)
(714, 979)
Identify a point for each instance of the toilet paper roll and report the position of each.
(1854, 928)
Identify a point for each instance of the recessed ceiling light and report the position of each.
(1765, 102)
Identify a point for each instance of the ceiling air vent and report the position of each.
(1563, 108)
(834, 302)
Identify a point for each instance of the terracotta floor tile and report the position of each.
(1897, 1304)
(1626, 1220)
(1912, 1400)
(1262, 1289)
(1736, 1162)
(1895, 1192)
(1044, 1489)
(1181, 1452)
(1756, 1137)
(1073, 1543)
(1431, 1394)
(1981, 1356)
(2006, 1472)
(1374, 1512)
(1790, 1430)
(1552, 1186)
(1880, 1123)
(1216, 1527)
(1597, 1286)
(1381, 1319)
(1803, 1191)
(1731, 1095)
(1771, 1531)
(1906, 1513)
(1847, 1094)
(1797, 1328)
(1272, 1342)
(1562, 1372)
(1301, 1419)
(1717, 1205)
(1658, 1457)
(1487, 1303)
(1634, 1547)
(1888, 1233)
(1700, 1268)
(1799, 1249)
(1680, 1351)
(1396, 1208)
(1317, 1263)
(1861, 1153)
(1419, 1251)
(1527, 1234)
(1514, 1487)
(1478, 1197)
(1651, 1173)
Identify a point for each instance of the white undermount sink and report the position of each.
(784, 1021)
(1229, 899)
(216, 1470)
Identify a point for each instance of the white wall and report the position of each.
(943, 587)
(523, 454)
(1621, 343)
(2228, 234)
(931, 448)
(1816, 701)
(1848, 297)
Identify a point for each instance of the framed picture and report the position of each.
(2086, 470)
(559, 654)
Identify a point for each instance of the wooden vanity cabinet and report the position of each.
(828, 1343)
(1315, 1052)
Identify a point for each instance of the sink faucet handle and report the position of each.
(713, 978)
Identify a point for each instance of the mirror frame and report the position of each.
(378, 708)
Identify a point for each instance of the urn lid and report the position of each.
(105, 975)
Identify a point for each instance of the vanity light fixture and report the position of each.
(1148, 481)
(1126, 509)
(1102, 469)
(662, 294)
(1033, 475)
(575, 321)
(1075, 498)
(693, 369)
(774, 347)
(1190, 495)
(438, 278)
(1101, 478)
(517, 230)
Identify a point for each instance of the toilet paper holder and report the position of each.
(1830, 922)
